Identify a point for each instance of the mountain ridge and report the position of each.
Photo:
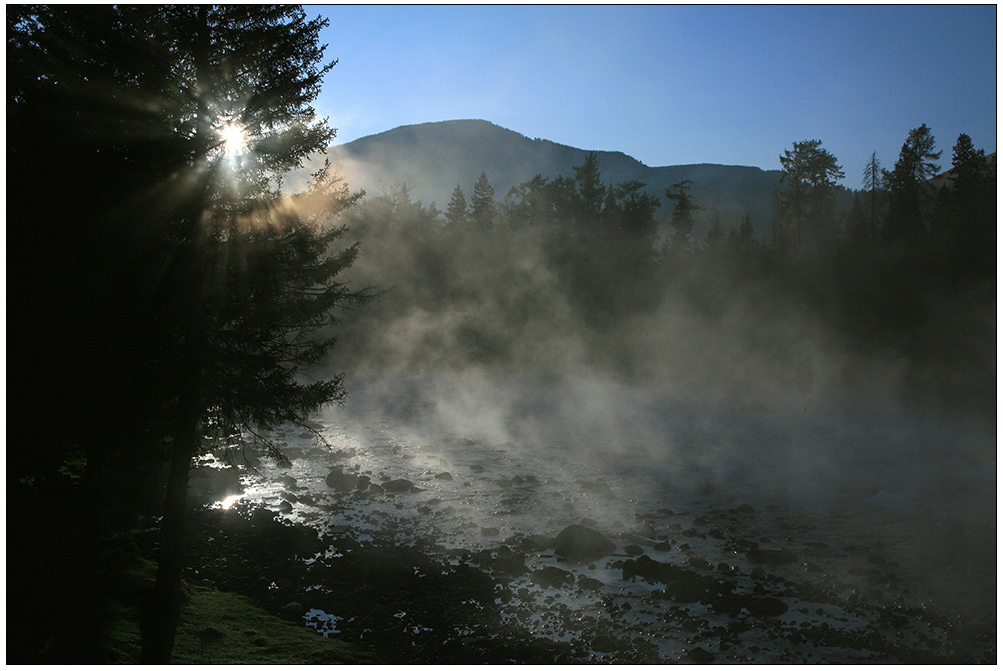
(433, 158)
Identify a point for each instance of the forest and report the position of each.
(172, 306)
(573, 272)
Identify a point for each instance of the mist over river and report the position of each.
(742, 533)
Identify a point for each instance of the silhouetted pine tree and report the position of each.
(680, 245)
(589, 186)
(228, 284)
(807, 199)
(972, 196)
(874, 185)
(909, 191)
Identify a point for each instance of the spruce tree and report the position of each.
(873, 184)
(482, 203)
(909, 190)
(181, 121)
(589, 185)
(456, 212)
(683, 218)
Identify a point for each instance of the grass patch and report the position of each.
(222, 628)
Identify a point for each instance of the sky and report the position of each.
(672, 84)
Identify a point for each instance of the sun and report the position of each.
(234, 139)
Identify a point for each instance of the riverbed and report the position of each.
(739, 534)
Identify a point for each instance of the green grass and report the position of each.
(221, 628)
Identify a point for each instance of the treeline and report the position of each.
(907, 271)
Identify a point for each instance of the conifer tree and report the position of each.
(199, 111)
(714, 239)
(908, 188)
(482, 203)
(683, 218)
(970, 188)
(589, 185)
(807, 204)
(873, 184)
(456, 212)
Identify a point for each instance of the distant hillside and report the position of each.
(434, 157)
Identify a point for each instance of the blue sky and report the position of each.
(669, 84)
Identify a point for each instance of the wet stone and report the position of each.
(551, 576)
(337, 479)
(766, 606)
(398, 486)
(590, 584)
(698, 656)
(580, 543)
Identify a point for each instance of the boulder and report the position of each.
(509, 563)
(605, 643)
(698, 656)
(537, 543)
(397, 486)
(551, 576)
(579, 543)
(766, 606)
(444, 476)
(342, 481)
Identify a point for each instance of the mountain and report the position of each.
(433, 158)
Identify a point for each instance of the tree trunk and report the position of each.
(162, 611)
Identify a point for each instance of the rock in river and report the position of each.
(342, 481)
(579, 543)
(397, 486)
(551, 576)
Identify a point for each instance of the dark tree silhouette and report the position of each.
(857, 225)
(683, 219)
(908, 185)
(181, 121)
(589, 185)
(807, 205)
(972, 200)
(873, 184)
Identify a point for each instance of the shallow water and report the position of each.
(891, 519)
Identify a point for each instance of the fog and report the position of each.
(537, 366)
